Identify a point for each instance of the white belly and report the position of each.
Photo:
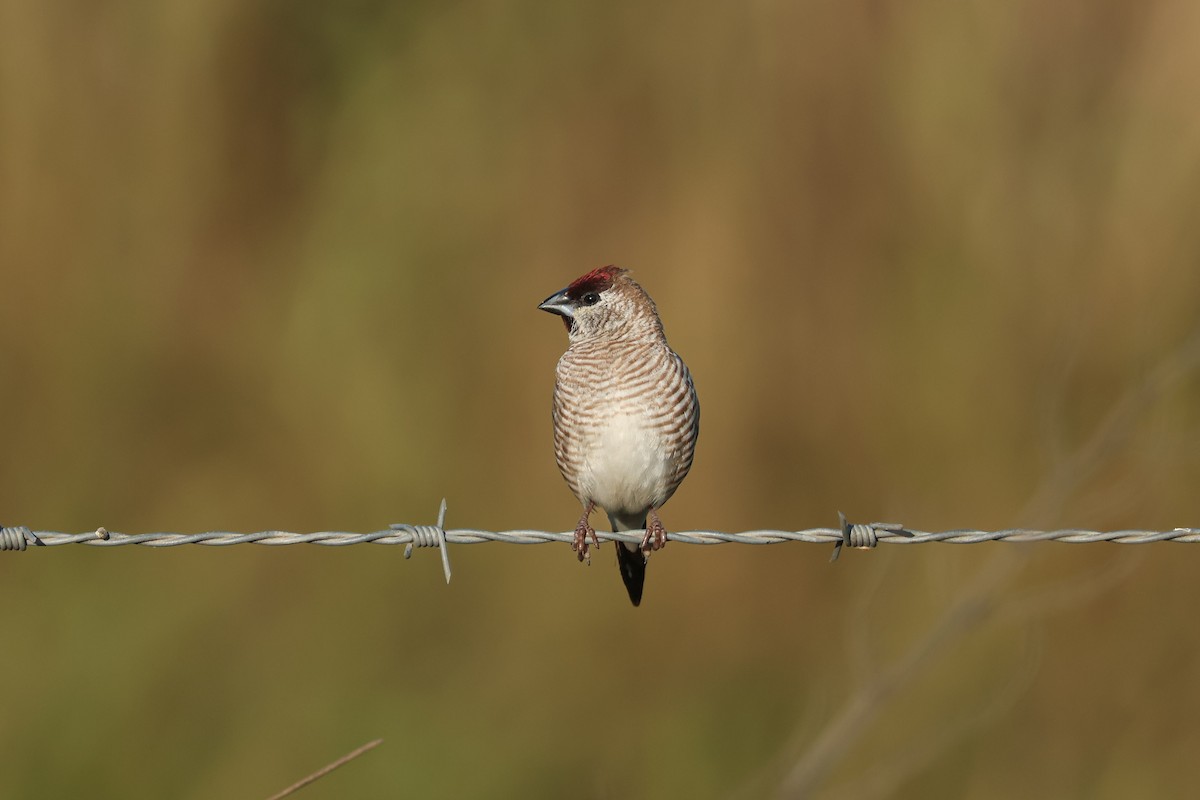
(626, 469)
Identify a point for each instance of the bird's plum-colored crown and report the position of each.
(597, 280)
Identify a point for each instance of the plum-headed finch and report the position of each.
(626, 417)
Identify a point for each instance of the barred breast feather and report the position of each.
(626, 420)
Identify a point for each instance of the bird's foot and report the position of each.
(656, 534)
(583, 532)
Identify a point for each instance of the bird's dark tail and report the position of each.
(633, 570)
(630, 557)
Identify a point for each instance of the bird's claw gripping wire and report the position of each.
(656, 534)
(583, 532)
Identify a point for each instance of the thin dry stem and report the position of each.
(325, 770)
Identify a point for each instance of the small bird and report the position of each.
(626, 417)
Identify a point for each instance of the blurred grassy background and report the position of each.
(275, 265)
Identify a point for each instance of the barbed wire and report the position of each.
(860, 536)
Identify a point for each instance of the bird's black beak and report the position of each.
(558, 303)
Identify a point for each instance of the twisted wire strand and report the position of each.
(427, 536)
(17, 538)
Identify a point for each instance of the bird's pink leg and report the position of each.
(582, 531)
(656, 534)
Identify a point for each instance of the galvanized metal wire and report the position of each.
(865, 535)
(472, 536)
(885, 533)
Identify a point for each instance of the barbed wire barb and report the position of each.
(428, 536)
(863, 537)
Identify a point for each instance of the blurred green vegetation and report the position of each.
(276, 265)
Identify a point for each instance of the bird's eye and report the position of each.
(590, 299)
